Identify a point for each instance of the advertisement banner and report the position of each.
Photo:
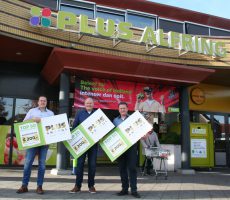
(125, 135)
(143, 97)
(89, 132)
(50, 130)
(4, 144)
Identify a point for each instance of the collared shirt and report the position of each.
(36, 112)
(118, 120)
(81, 116)
(148, 106)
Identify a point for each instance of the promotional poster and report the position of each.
(143, 97)
(125, 135)
(88, 133)
(50, 130)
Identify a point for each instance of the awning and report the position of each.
(89, 64)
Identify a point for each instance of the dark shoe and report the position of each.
(75, 190)
(39, 190)
(122, 193)
(22, 189)
(92, 190)
(136, 195)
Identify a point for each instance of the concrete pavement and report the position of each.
(203, 185)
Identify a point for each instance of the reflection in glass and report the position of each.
(141, 21)
(22, 107)
(6, 110)
(116, 18)
(78, 11)
(219, 126)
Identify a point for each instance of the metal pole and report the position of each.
(63, 108)
(185, 127)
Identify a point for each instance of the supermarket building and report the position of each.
(51, 47)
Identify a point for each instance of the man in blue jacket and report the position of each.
(91, 153)
(128, 160)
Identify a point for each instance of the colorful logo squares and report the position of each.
(40, 17)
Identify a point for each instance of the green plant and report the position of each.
(170, 138)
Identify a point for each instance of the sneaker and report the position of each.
(122, 193)
(39, 190)
(75, 190)
(136, 195)
(92, 190)
(22, 189)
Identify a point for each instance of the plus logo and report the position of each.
(40, 17)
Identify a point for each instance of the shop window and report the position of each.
(141, 20)
(6, 113)
(219, 32)
(195, 29)
(78, 7)
(219, 126)
(22, 107)
(107, 13)
(168, 25)
(6, 110)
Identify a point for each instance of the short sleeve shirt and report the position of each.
(36, 112)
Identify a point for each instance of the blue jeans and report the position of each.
(92, 159)
(127, 166)
(30, 155)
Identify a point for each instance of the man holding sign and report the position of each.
(91, 153)
(36, 114)
(127, 161)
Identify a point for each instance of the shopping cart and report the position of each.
(157, 155)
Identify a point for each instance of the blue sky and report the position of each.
(219, 8)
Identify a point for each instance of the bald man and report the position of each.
(91, 153)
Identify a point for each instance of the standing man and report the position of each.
(91, 153)
(128, 160)
(36, 114)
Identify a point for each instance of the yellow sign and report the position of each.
(197, 96)
(212, 98)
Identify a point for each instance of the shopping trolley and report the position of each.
(157, 154)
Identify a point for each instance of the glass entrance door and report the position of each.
(219, 131)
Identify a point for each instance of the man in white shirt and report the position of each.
(36, 114)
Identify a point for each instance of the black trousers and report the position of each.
(127, 167)
(148, 165)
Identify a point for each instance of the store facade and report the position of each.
(111, 52)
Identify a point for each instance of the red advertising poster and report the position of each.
(143, 97)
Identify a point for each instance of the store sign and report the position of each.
(68, 21)
(202, 131)
(143, 97)
(197, 96)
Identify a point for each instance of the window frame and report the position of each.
(219, 29)
(80, 7)
(171, 20)
(110, 10)
(141, 14)
(193, 23)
